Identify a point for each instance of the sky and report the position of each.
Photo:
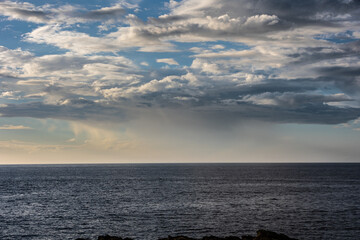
(133, 81)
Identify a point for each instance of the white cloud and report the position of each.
(34, 82)
(74, 64)
(77, 42)
(205, 66)
(252, 78)
(192, 7)
(11, 61)
(218, 46)
(187, 84)
(261, 19)
(169, 61)
(14, 95)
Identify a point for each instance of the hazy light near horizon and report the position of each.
(179, 81)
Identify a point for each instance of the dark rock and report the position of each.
(107, 237)
(219, 238)
(247, 237)
(268, 235)
(204, 238)
(261, 235)
(177, 238)
(232, 238)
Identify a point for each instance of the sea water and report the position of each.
(148, 201)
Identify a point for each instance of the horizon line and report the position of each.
(170, 163)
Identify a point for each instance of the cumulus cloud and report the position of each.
(11, 61)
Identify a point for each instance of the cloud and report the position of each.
(262, 19)
(276, 61)
(218, 46)
(14, 127)
(293, 99)
(247, 21)
(70, 40)
(74, 109)
(15, 146)
(33, 82)
(191, 20)
(11, 61)
(74, 64)
(23, 11)
(67, 14)
(295, 11)
(169, 61)
(100, 138)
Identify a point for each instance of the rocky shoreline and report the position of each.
(261, 235)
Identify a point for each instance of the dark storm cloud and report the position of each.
(316, 54)
(72, 109)
(309, 114)
(284, 101)
(42, 16)
(340, 71)
(305, 8)
(299, 12)
(104, 13)
(304, 112)
(344, 78)
(97, 15)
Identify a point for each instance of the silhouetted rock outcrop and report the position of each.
(268, 235)
(107, 237)
(261, 235)
(204, 238)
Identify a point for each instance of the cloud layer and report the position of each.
(219, 61)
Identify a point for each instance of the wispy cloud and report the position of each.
(54, 15)
(14, 127)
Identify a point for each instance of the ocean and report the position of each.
(149, 201)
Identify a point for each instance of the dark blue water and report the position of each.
(307, 201)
